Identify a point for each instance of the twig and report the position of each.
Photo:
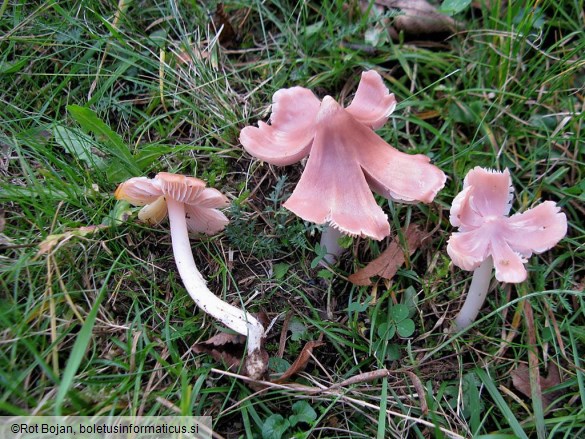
(282, 342)
(362, 378)
(420, 390)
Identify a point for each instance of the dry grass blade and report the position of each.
(534, 376)
(308, 390)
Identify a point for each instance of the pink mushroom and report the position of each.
(488, 237)
(192, 207)
(346, 159)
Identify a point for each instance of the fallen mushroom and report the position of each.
(487, 237)
(192, 207)
(346, 159)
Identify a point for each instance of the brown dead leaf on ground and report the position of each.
(224, 338)
(521, 381)
(190, 56)
(502, 4)
(387, 264)
(52, 242)
(301, 361)
(227, 34)
(416, 19)
(224, 348)
(230, 349)
(227, 37)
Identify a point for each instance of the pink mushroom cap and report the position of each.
(347, 160)
(201, 203)
(480, 211)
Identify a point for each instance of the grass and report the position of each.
(94, 92)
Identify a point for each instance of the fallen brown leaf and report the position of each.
(190, 56)
(416, 19)
(521, 381)
(227, 34)
(490, 4)
(301, 362)
(421, 19)
(230, 349)
(53, 241)
(387, 264)
(224, 338)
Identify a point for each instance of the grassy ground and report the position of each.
(99, 322)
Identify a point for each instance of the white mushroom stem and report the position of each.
(234, 318)
(330, 240)
(476, 295)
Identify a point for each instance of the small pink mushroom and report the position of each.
(346, 159)
(488, 237)
(193, 207)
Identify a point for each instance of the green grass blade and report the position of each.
(383, 405)
(81, 343)
(499, 400)
(578, 365)
(91, 123)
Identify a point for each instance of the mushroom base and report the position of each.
(256, 365)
